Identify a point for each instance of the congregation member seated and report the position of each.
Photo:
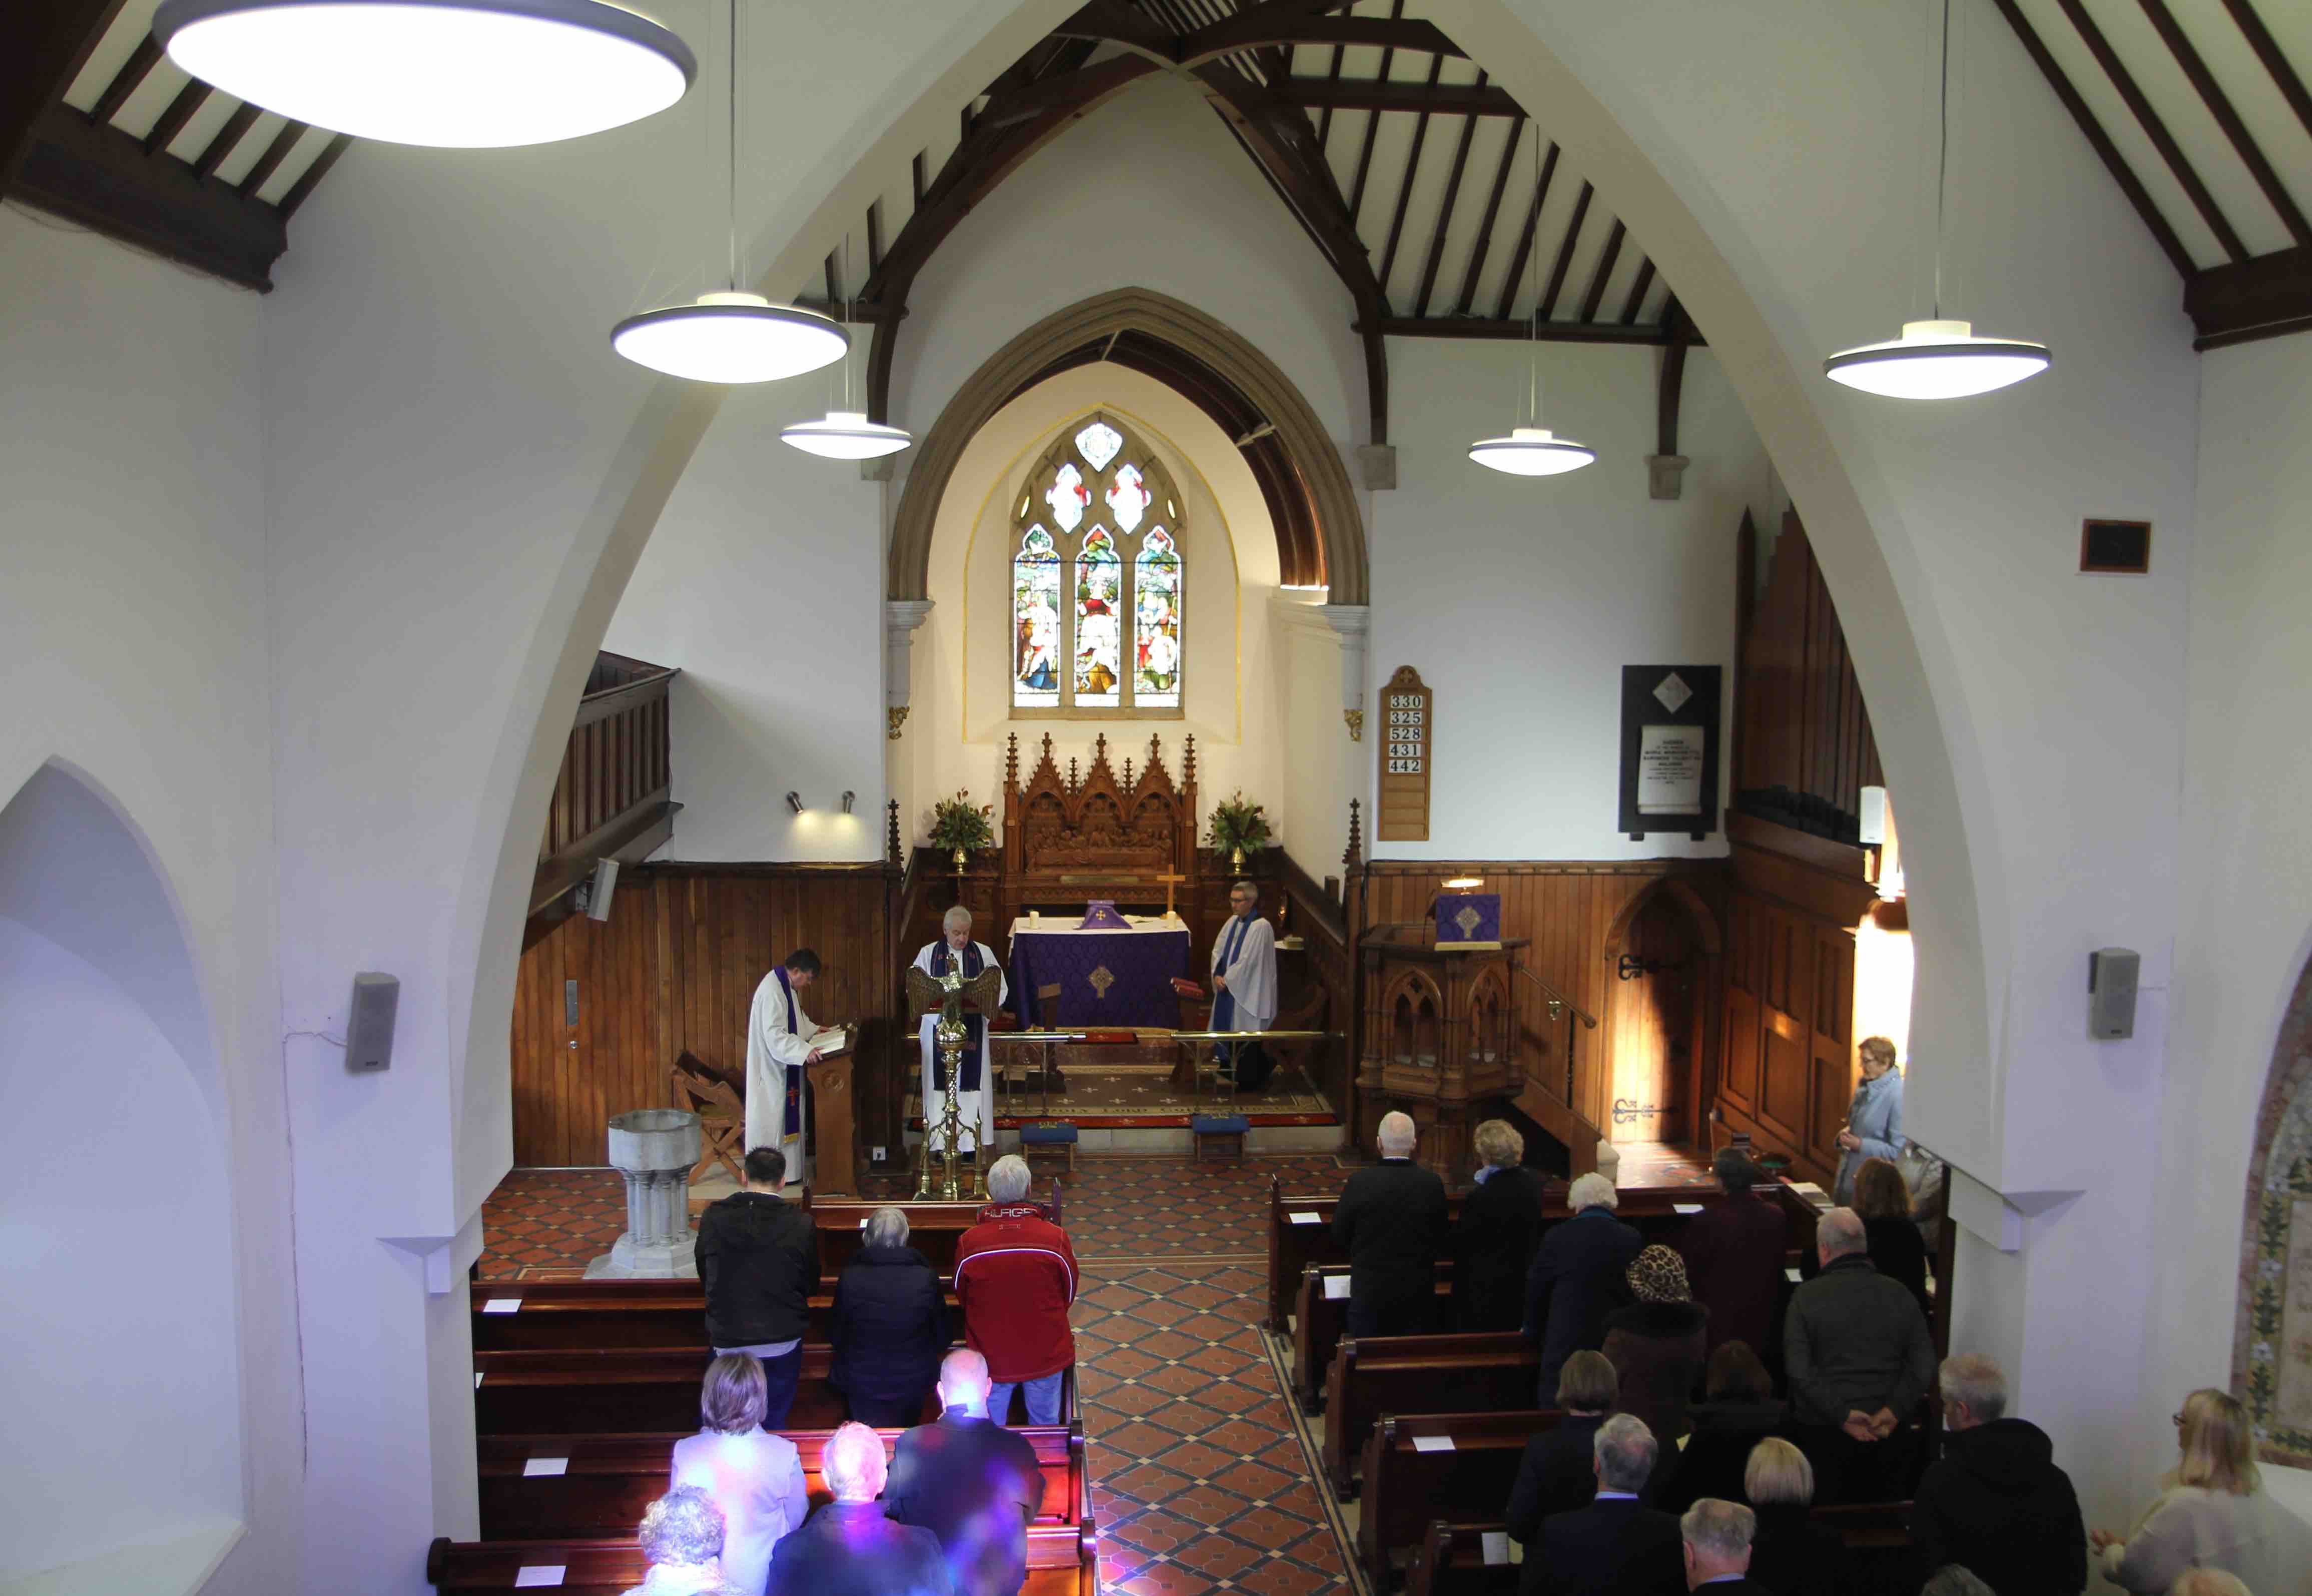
(969, 1481)
(851, 1547)
(1995, 1503)
(1015, 1275)
(1656, 1343)
(1733, 1253)
(1577, 1278)
(754, 1478)
(2213, 1512)
(1558, 1472)
(1617, 1546)
(1716, 1539)
(1882, 1199)
(1391, 1222)
(758, 1261)
(1738, 1410)
(1791, 1554)
(682, 1537)
(889, 1326)
(1858, 1358)
(1501, 1220)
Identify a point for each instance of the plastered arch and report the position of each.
(1138, 311)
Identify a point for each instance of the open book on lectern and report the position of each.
(830, 1039)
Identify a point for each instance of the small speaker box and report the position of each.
(600, 892)
(369, 1029)
(2112, 975)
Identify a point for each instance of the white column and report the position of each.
(901, 617)
(1352, 622)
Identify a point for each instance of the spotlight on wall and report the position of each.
(849, 798)
(1463, 883)
(794, 802)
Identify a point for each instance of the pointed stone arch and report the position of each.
(2274, 1322)
(1321, 478)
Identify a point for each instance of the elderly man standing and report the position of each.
(1244, 984)
(971, 1482)
(1015, 1275)
(1717, 1537)
(1578, 1277)
(850, 1547)
(974, 1106)
(1858, 1357)
(1391, 1221)
(1996, 1503)
(1617, 1546)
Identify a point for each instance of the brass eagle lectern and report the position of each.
(946, 995)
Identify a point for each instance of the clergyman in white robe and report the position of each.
(778, 1045)
(974, 1106)
(1244, 982)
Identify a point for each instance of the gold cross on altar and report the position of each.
(1169, 883)
(1100, 980)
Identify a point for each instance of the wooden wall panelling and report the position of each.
(1802, 726)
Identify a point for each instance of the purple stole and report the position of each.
(975, 1026)
(792, 1124)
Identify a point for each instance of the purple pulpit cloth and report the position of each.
(1106, 978)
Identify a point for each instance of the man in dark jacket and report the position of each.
(971, 1482)
(1996, 1503)
(888, 1325)
(850, 1547)
(1717, 1534)
(758, 1260)
(1617, 1546)
(1858, 1357)
(1734, 1251)
(1577, 1278)
(1391, 1221)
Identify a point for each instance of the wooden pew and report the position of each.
(1063, 1560)
(575, 1314)
(1407, 1488)
(1882, 1561)
(1451, 1561)
(1494, 1372)
(933, 1228)
(606, 1482)
(1320, 1319)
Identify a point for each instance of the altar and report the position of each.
(1116, 977)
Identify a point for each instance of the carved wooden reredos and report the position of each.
(1089, 834)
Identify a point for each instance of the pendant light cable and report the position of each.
(731, 165)
(1533, 282)
(1942, 154)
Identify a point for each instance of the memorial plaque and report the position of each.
(1406, 707)
(1669, 749)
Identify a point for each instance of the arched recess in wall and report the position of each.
(1310, 499)
(2272, 1332)
(116, 1206)
(1662, 1023)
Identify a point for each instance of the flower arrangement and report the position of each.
(958, 823)
(1237, 824)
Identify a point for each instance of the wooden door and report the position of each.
(1653, 1018)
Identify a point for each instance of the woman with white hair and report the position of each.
(1577, 1278)
(1500, 1222)
(2211, 1513)
(681, 1535)
(888, 1327)
(851, 1548)
(974, 1106)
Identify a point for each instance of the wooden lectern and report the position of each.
(834, 1121)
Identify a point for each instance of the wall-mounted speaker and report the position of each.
(599, 892)
(369, 1024)
(2112, 975)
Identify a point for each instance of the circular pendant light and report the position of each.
(845, 435)
(453, 73)
(730, 338)
(1937, 360)
(1531, 451)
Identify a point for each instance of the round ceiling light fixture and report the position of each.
(1937, 360)
(845, 435)
(731, 337)
(1531, 451)
(451, 74)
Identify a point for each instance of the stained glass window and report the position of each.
(1096, 609)
(1036, 622)
(1156, 622)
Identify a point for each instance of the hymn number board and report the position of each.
(1405, 708)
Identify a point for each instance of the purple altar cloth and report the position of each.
(1106, 978)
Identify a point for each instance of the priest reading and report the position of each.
(975, 1108)
(781, 1039)
(1244, 984)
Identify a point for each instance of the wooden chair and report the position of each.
(720, 1102)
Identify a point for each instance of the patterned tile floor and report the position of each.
(1199, 1484)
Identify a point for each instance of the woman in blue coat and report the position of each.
(889, 1326)
(1874, 1124)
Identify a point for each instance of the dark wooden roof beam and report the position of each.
(1485, 243)
(311, 178)
(1373, 126)
(48, 47)
(1357, 94)
(130, 78)
(1411, 176)
(1551, 332)
(267, 164)
(1597, 279)
(2255, 299)
(1565, 250)
(2220, 106)
(2267, 50)
(1445, 212)
(172, 122)
(220, 149)
(1637, 300)
(1525, 236)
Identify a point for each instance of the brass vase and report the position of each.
(959, 861)
(1236, 859)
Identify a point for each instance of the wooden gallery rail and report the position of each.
(610, 800)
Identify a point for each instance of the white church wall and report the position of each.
(1324, 769)
(1232, 699)
(134, 660)
(2246, 927)
(1519, 599)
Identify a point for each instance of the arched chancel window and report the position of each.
(1098, 580)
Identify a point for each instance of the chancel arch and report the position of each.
(2272, 1334)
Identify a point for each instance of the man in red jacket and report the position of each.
(1015, 1275)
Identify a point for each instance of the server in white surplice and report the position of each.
(1244, 984)
(975, 1108)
